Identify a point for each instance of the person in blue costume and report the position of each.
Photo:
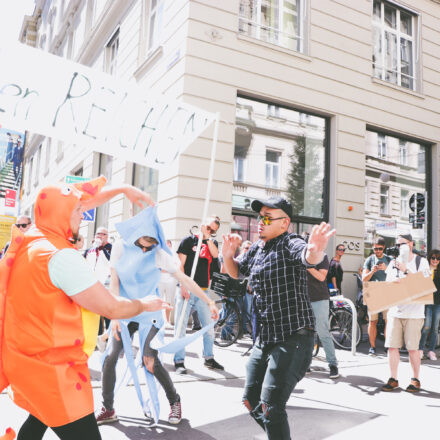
(136, 263)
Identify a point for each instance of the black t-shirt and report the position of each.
(335, 270)
(204, 269)
(318, 290)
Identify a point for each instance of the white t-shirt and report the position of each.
(163, 260)
(407, 311)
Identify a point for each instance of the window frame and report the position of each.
(383, 28)
(253, 29)
(382, 146)
(387, 196)
(273, 165)
(111, 54)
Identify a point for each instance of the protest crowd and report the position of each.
(140, 284)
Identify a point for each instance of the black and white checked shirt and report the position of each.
(278, 277)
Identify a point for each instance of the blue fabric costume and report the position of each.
(139, 277)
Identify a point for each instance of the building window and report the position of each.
(279, 22)
(272, 169)
(239, 163)
(381, 146)
(404, 203)
(390, 186)
(154, 28)
(394, 44)
(48, 154)
(105, 169)
(384, 199)
(403, 152)
(111, 54)
(147, 180)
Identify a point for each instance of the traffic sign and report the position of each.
(88, 216)
(420, 202)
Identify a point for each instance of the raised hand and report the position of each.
(138, 197)
(230, 245)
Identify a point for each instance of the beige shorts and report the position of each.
(375, 316)
(400, 330)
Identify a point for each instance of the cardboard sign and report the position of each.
(414, 288)
(77, 104)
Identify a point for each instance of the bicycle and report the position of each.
(340, 323)
(229, 327)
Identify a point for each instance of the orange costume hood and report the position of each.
(41, 328)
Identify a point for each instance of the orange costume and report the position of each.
(42, 331)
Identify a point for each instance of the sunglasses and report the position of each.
(266, 220)
(378, 249)
(145, 248)
(435, 258)
(341, 250)
(22, 225)
(399, 244)
(210, 230)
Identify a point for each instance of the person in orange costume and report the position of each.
(42, 330)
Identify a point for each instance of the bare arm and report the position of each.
(320, 274)
(135, 195)
(366, 276)
(213, 248)
(193, 287)
(183, 290)
(99, 300)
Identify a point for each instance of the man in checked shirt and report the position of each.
(276, 266)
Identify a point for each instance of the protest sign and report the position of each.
(415, 287)
(6, 223)
(55, 97)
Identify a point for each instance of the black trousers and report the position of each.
(85, 428)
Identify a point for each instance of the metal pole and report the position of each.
(205, 214)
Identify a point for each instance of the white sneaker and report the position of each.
(432, 356)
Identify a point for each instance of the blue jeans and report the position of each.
(432, 319)
(321, 311)
(247, 309)
(205, 319)
(272, 372)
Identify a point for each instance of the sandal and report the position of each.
(391, 385)
(414, 386)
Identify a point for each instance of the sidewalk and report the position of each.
(320, 408)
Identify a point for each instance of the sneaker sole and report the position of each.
(334, 376)
(103, 422)
(174, 422)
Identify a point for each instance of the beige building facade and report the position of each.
(334, 104)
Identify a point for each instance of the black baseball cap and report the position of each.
(405, 237)
(273, 202)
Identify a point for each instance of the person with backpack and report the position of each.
(405, 321)
(374, 270)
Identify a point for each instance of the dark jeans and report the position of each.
(109, 368)
(85, 428)
(432, 320)
(273, 370)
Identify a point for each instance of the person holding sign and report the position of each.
(405, 321)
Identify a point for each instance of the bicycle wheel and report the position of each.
(227, 328)
(316, 345)
(340, 323)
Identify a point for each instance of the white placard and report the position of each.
(55, 97)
